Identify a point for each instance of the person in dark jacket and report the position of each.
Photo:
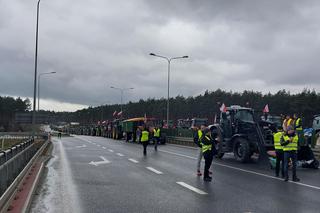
(208, 150)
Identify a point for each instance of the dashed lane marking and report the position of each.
(121, 155)
(154, 170)
(192, 188)
(110, 150)
(103, 147)
(244, 170)
(133, 160)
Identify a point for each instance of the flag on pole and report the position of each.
(223, 108)
(114, 114)
(119, 113)
(266, 109)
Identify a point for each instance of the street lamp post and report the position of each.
(121, 90)
(35, 74)
(46, 73)
(169, 63)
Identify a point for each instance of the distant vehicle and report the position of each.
(275, 121)
(240, 134)
(196, 122)
(316, 123)
(184, 123)
(130, 126)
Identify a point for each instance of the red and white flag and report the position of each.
(223, 108)
(266, 109)
(119, 113)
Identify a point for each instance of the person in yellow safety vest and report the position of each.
(290, 123)
(144, 139)
(298, 128)
(284, 123)
(208, 151)
(289, 141)
(156, 137)
(197, 136)
(279, 152)
(297, 123)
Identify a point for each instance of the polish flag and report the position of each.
(266, 109)
(114, 114)
(120, 113)
(223, 108)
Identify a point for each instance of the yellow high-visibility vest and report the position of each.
(156, 133)
(199, 135)
(292, 145)
(206, 147)
(298, 125)
(277, 140)
(144, 136)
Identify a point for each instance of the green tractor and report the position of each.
(239, 133)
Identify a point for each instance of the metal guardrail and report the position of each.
(185, 141)
(13, 161)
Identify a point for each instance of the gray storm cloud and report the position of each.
(92, 45)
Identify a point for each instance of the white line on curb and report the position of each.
(154, 170)
(192, 188)
(133, 160)
(121, 155)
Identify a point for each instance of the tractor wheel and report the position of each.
(316, 164)
(219, 154)
(241, 150)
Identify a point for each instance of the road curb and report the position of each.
(21, 183)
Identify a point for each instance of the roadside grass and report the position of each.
(8, 143)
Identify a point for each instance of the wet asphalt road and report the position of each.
(94, 174)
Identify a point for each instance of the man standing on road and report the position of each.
(208, 151)
(279, 152)
(145, 139)
(196, 139)
(156, 137)
(290, 146)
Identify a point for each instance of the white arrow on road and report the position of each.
(83, 146)
(96, 163)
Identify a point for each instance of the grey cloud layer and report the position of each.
(234, 45)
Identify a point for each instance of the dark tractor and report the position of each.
(240, 134)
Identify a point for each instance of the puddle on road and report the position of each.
(57, 192)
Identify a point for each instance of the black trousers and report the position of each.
(156, 141)
(293, 156)
(208, 157)
(145, 144)
(279, 159)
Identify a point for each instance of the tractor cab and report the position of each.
(236, 120)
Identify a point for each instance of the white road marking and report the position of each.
(133, 160)
(154, 170)
(121, 155)
(245, 170)
(192, 188)
(110, 150)
(83, 146)
(103, 147)
(98, 145)
(96, 163)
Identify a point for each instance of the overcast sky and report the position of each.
(94, 44)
